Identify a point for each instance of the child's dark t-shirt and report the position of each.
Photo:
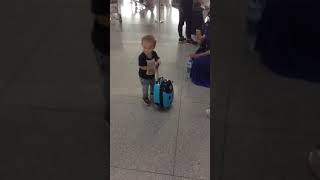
(144, 60)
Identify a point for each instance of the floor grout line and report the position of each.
(176, 143)
(151, 172)
(138, 170)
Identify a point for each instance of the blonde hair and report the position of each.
(149, 38)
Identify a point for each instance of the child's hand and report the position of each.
(194, 56)
(158, 64)
(151, 70)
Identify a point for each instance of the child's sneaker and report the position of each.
(146, 101)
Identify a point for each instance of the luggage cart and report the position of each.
(115, 12)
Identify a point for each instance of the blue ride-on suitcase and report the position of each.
(163, 93)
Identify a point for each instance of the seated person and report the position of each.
(200, 71)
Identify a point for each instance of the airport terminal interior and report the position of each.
(148, 143)
(52, 109)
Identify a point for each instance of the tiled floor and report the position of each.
(147, 143)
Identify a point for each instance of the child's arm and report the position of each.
(142, 62)
(158, 62)
(206, 53)
(150, 69)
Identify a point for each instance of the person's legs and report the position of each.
(189, 31)
(180, 25)
(188, 27)
(145, 87)
(152, 82)
(145, 90)
(200, 71)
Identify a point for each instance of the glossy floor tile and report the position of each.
(142, 137)
(146, 139)
(122, 174)
(193, 148)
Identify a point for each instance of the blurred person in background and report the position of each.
(185, 16)
(197, 19)
(100, 39)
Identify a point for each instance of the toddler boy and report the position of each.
(149, 62)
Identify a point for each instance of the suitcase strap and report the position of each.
(157, 75)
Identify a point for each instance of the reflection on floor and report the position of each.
(147, 143)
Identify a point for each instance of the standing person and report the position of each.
(150, 4)
(185, 15)
(100, 37)
(149, 62)
(100, 40)
(197, 19)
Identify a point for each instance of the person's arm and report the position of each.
(200, 39)
(157, 59)
(158, 62)
(142, 62)
(206, 53)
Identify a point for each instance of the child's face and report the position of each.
(148, 47)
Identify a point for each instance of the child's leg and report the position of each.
(145, 88)
(152, 82)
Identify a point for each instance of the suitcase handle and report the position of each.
(157, 74)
